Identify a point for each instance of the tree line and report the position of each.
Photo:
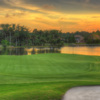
(17, 35)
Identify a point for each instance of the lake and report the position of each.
(82, 50)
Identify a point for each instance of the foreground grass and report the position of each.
(45, 76)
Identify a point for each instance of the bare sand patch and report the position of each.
(83, 93)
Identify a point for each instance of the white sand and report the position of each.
(83, 93)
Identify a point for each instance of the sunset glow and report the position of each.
(65, 15)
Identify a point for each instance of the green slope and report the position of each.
(45, 76)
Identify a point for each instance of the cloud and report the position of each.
(62, 6)
(7, 16)
(95, 17)
(87, 1)
(15, 14)
(48, 7)
(50, 13)
(68, 23)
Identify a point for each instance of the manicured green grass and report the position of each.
(45, 76)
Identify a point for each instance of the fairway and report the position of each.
(45, 76)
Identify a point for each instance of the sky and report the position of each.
(65, 15)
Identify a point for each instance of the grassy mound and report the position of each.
(45, 76)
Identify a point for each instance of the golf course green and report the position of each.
(45, 76)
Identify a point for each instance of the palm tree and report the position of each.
(3, 30)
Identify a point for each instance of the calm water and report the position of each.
(85, 50)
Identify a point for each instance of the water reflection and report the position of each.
(37, 50)
(82, 50)
(28, 51)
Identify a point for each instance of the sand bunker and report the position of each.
(83, 93)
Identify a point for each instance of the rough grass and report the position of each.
(45, 76)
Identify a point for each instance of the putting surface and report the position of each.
(45, 76)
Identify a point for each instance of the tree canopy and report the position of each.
(17, 35)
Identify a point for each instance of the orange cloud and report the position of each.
(45, 17)
(48, 7)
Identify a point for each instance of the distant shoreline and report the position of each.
(73, 44)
